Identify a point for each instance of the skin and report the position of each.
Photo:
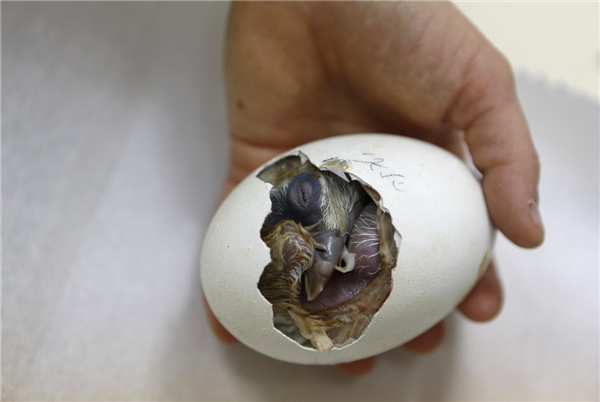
(302, 71)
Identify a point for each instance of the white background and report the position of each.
(556, 41)
(114, 150)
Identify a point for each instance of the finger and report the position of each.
(484, 302)
(358, 367)
(428, 341)
(496, 131)
(220, 332)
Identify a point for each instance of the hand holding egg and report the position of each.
(285, 90)
(275, 266)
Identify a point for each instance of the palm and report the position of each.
(378, 78)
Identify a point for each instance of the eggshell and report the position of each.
(437, 206)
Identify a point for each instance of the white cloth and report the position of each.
(114, 151)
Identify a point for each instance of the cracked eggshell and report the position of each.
(436, 205)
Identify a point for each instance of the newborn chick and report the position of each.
(327, 206)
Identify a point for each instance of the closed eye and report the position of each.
(303, 195)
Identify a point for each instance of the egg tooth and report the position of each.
(349, 260)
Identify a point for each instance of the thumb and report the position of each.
(496, 131)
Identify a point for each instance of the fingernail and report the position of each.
(535, 214)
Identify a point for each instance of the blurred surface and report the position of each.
(114, 150)
(554, 40)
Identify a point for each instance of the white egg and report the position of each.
(445, 243)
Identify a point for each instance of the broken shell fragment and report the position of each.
(345, 247)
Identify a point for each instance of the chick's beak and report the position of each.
(327, 255)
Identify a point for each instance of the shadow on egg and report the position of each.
(332, 252)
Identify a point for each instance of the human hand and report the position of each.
(301, 71)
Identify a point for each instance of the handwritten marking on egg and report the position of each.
(416, 203)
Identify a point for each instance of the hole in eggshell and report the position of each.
(324, 221)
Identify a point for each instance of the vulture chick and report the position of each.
(332, 251)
